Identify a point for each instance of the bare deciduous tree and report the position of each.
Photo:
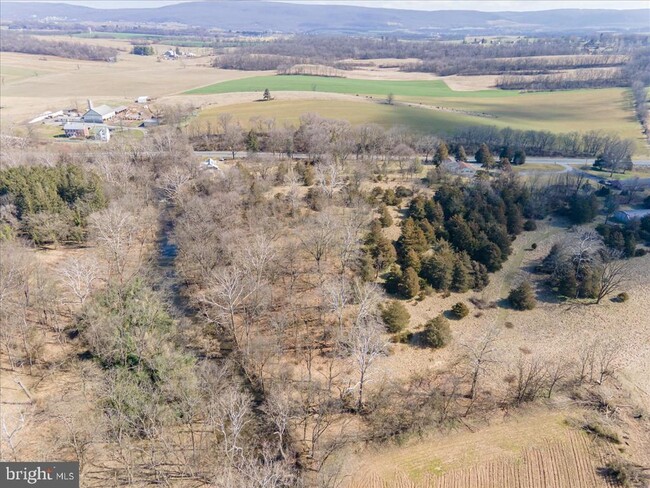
(78, 276)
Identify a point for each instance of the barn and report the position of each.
(97, 115)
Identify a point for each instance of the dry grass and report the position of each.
(533, 449)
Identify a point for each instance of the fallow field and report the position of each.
(427, 105)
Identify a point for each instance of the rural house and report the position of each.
(76, 129)
(458, 167)
(103, 134)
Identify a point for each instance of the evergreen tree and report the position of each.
(395, 316)
(267, 95)
(433, 212)
(409, 285)
(438, 269)
(515, 220)
(519, 157)
(411, 260)
(480, 276)
(460, 154)
(490, 256)
(252, 141)
(507, 153)
(484, 156)
(442, 153)
(461, 277)
(522, 297)
(460, 310)
(384, 216)
(437, 332)
(411, 237)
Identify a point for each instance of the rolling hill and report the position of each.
(264, 16)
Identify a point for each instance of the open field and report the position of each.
(560, 112)
(419, 88)
(355, 110)
(637, 173)
(531, 449)
(531, 112)
(538, 167)
(61, 81)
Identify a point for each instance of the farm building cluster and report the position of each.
(97, 122)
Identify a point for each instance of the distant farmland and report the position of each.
(432, 106)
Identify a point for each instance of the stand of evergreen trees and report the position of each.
(48, 204)
(453, 240)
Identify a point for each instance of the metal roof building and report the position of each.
(626, 216)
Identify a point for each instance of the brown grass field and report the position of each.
(531, 450)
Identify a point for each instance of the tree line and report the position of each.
(317, 136)
(22, 43)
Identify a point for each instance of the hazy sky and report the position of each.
(486, 5)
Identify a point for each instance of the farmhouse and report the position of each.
(458, 167)
(76, 129)
(97, 115)
(103, 134)
(626, 216)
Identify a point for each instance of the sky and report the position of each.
(485, 5)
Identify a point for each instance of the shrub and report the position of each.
(530, 224)
(533, 245)
(403, 192)
(522, 297)
(460, 310)
(395, 316)
(622, 297)
(437, 332)
(403, 337)
(625, 473)
(640, 252)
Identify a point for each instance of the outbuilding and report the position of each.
(142, 99)
(626, 216)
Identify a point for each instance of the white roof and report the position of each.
(75, 126)
(101, 110)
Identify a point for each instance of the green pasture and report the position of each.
(381, 88)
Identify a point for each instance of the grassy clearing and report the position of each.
(579, 110)
(538, 167)
(429, 88)
(637, 173)
(288, 112)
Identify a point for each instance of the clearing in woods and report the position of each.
(532, 450)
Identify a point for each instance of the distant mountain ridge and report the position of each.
(263, 16)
